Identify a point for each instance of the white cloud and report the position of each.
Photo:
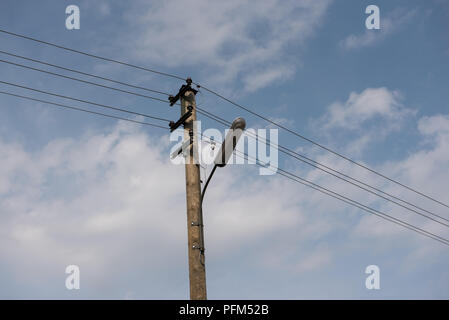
(259, 79)
(368, 116)
(438, 124)
(114, 205)
(390, 23)
(420, 169)
(315, 260)
(424, 167)
(111, 202)
(229, 40)
(364, 106)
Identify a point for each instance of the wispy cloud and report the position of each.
(390, 23)
(370, 115)
(103, 200)
(230, 40)
(361, 107)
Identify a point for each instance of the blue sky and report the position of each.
(102, 194)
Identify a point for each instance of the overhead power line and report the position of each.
(322, 146)
(84, 101)
(165, 74)
(233, 103)
(352, 202)
(341, 197)
(82, 110)
(226, 99)
(368, 209)
(83, 81)
(283, 150)
(283, 172)
(83, 73)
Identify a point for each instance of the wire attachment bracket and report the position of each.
(175, 125)
(184, 88)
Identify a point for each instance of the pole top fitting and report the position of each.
(184, 88)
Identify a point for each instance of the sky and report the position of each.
(102, 194)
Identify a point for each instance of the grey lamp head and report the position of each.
(230, 142)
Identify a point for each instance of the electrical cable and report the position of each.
(283, 172)
(84, 101)
(83, 81)
(82, 110)
(83, 73)
(357, 204)
(224, 98)
(321, 146)
(92, 55)
(227, 123)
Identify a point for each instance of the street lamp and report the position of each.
(226, 149)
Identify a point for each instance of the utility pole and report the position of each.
(197, 267)
(194, 195)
